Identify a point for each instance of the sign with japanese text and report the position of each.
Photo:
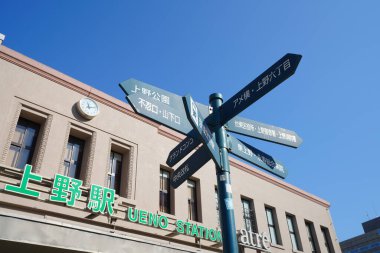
(276, 74)
(183, 149)
(159, 105)
(67, 190)
(101, 200)
(255, 156)
(199, 124)
(263, 131)
(190, 166)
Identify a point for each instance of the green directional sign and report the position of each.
(183, 149)
(264, 132)
(257, 157)
(199, 124)
(190, 166)
(159, 105)
(276, 74)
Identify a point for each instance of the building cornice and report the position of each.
(55, 76)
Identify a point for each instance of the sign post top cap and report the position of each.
(216, 96)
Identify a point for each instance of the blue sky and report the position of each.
(202, 47)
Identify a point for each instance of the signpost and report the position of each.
(264, 83)
(192, 119)
(190, 166)
(264, 132)
(200, 126)
(159, 105)
(255, 156)
(182, 149)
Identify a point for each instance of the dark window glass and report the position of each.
(192, 200)
(164, 191)
(327, 240)
(73, 157)
(114, 175)
(311, 236)
(272, 225)
(249, 215)
(23, 143)
(293, 233)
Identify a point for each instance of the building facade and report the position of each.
(81, 172)
(369, 242)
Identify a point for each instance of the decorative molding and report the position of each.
(61, 169)
(42, 147)
(12, 128)
(90, 161)
(131, 173)
(107, 166)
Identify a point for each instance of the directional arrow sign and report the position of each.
(276, 74)
(264, 132)
(257, 157)
(190, 166)
(161, 113)
(183, 149)
(159, 105)
(199, 124)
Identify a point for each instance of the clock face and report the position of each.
(88, 108)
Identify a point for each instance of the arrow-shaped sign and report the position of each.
(276, 74)
(161, 113)
(190, 166)
(264, 132)
(183, 149)
(159, 105)
(204, 133)
(257, 157)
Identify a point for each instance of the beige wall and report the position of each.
(31, 88)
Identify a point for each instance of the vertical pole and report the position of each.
(226, 208)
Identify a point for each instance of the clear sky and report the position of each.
(200, 47)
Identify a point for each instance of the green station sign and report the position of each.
(101, 200)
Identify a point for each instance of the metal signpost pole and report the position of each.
(226, 208)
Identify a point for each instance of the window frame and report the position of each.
(327, 240)
(293, 231)
(27, 124)
(312, 237)
(274, 226)
(127, 170)
(195, 201)
(170, 192)
(74, 141)
(250, 216)
(115, 173)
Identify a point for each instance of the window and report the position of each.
(114, 174)
(165, 191)
(73, 157)
(120, 170)
(23, 143)
(312, 237)
(272, 225)
(192, 200)
(249, 215)
(327, 240)
(293, 232)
